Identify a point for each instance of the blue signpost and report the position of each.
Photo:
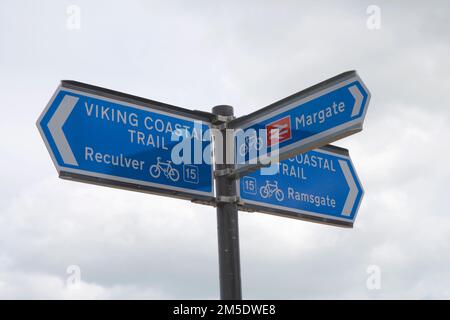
(105, 137)
(319, 186)
(306, 120)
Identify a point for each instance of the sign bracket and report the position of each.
(224, 172)
(227, 199)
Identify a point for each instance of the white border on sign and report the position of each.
(312, 139)
(115, 178)
(288, 209)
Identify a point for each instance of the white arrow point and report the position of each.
(55, 126)
(356, 93)
(353, 192)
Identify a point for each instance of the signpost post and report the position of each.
(105, 137)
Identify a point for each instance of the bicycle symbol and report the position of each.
(269, 189)
(250, 142)
(166, 168)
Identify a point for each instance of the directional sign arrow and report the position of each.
(319, 186)
(306, 120)
(105, 137)
(55, 126)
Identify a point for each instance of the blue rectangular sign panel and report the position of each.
(307, 120)
(320, 186)
(98, 136)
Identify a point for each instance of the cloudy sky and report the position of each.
(247, 54)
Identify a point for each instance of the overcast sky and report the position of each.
(247, 54)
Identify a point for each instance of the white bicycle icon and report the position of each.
(269, 189)
(166, 168)
(250, 142)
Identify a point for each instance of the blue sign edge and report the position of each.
(302, 97)
(70, 173)
(250, 205)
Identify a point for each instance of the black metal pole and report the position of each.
(227, 216)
